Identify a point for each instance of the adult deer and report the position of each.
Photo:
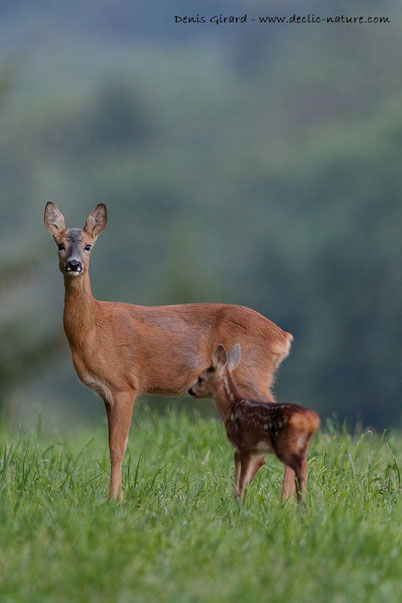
(120, 350)
(255, 428)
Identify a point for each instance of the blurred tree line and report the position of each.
(269, 177)
(21, 352)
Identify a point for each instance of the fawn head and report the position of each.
(211, 377)
(74, 244)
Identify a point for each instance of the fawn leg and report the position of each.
(304, 473)
(257, 463)
(301, 478)
(237, 473)
(119, 418)
(299, 465)
(249, 467)
(288, 486)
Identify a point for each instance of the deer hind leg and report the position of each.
(300, 479)
(294, 458)
(295, 462)
(304, 474)
(249, 467)
(237, 471)
(118, 411)
(288, 486)
(298, 463)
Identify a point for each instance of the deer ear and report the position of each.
(54, 219)
(96, 220)
(219, 357)
(234, 357)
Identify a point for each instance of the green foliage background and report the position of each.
(258, 165)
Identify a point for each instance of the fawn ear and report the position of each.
(234, 357)
(219, 357)
(54, 219)
(96, 220)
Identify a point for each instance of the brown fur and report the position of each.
(256, 428)
(121, 350)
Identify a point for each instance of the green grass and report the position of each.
(179, 536)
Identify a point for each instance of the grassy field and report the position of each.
(179, 536)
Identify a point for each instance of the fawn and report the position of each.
(121, 350)
(256, 428)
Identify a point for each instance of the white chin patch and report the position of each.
(73, 273)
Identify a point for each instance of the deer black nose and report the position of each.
(74, 266)
(190, 391)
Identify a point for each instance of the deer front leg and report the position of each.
(249, 467)
(118, 411)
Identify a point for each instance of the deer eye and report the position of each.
(87, 247)
(61, 246)
(200, 380)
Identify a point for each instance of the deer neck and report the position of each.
(227, 397)
(79, 308)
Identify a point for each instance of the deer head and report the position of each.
(211, 378)
(74, 244)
